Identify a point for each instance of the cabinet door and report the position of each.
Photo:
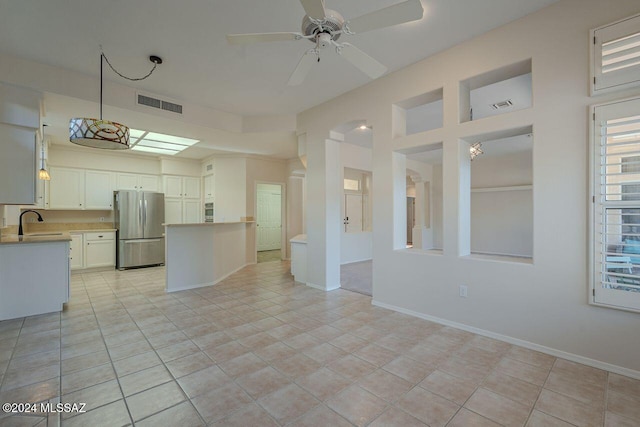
(126, 181)
(148, 183)
(98, 190)
(66, 188)
(191, 188)
(191, 211)
(208, 188)
(173, 211)
(75, 252)
(17, 165)
(100, 253)
(172, 186)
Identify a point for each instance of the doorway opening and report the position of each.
(269, 222)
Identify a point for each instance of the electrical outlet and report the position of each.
(463, 291)
(101, 219)
(32, 220)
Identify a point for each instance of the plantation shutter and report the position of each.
(617, 205)
(616, 55)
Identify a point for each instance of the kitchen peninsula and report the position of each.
(34, 274)
(203, 254)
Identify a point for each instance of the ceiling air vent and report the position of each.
(502, 104)
(209, 167)
(160, 104)
(170, 106)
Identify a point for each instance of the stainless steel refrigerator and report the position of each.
(140, 234)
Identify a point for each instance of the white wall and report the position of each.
(230, 188)
(543, 304)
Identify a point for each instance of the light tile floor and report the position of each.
(259, 350)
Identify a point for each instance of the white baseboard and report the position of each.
(515, 341)
(322, 288)
(202, 285)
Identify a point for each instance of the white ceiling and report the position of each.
(201, 68)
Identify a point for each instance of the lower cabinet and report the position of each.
(100, 250)
(76, 257)
(93, 249)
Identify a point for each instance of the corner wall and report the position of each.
(541, 305)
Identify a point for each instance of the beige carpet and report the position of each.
(357, 277)
(268, 256)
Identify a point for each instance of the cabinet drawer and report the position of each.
(106, 235)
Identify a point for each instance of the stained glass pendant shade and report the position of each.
(99, 133)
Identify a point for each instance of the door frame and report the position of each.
(283, 216)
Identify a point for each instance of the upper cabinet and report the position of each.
(17, 165)
(134, 181)
(19, 106)
(98, 190)
(80, 189)
(66, 188)
(209, 194)
(185, 187)
(19, 122)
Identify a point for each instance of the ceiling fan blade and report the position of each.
(303, 68)
(261, 37)
(400, 13)
(362, 61)
(314, 8)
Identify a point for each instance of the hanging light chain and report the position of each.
(155, 64)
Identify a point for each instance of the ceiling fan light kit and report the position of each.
(99, 133)
(323, 27)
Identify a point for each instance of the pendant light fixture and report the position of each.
(42, 173)
(99, 133)
(475, 150)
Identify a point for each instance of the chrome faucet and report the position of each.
(20, 233)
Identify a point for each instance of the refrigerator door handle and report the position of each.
(140, 214)
(144, 224)
(126, 242)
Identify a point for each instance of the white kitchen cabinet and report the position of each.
(99, 249)
(35, 278)
(191, 188)
(98, 190)
(17, 165)
(172, 210)
(172, 186)
(209, 188)
(181, 211)
(134, 181)
(66, 188)
(181, 186)
(80, 189)
(76, 251)
(191, 211)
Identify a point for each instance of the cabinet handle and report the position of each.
(80, 204)
(101, 237)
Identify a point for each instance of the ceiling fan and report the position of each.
(323, 27)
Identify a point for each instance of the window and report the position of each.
(616, 211)
(616, 55)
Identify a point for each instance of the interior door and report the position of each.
(269, 208)
(353, 213)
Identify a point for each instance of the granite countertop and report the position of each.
(300, 238)
(45, 237)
